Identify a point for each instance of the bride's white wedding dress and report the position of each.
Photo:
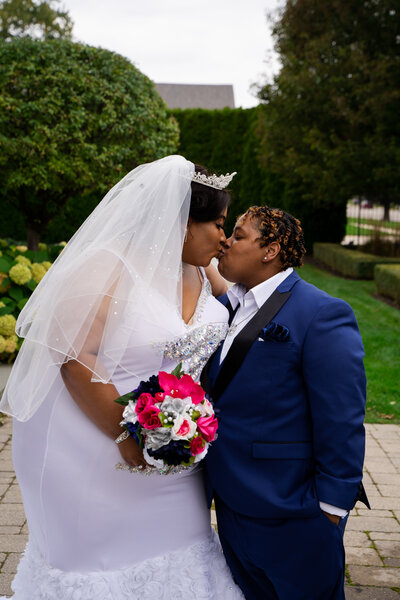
(106, 534)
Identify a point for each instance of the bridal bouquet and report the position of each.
(171, 419)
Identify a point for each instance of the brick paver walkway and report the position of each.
(372, 538)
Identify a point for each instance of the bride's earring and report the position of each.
(186, 233)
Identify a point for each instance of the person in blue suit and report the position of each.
(289, 389)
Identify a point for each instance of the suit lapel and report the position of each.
(210, 371)
(244, 340)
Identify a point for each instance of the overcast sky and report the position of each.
(181, 41)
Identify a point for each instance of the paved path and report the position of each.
(372, 538)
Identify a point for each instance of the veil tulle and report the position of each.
(120, 273)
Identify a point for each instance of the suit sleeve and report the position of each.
(336, 387)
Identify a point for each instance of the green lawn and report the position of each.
(379, 223)
(380, 329)
(352, 229)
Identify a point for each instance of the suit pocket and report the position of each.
(282, 450)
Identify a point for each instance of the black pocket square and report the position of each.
(275, 331)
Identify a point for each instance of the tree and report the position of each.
(34, 19)
(73, 120)
(330, 128)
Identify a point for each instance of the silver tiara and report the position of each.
(219, 182)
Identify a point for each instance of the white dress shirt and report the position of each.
(249, 303)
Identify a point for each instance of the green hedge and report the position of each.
(350, 262)
(229, 140)
(387, 278)
(225, 141)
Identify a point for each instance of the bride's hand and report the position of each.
(131, 453)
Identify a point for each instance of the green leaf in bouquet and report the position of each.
(16, 293)
(164, 420)
(190, 461)
(195, 415)
(178, 371)
(124, 400)
(140, 438)
(21, 303)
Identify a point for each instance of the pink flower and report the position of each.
(143, 402)
(149, 418)
(206, 408)
(208, 427)
(197, 445)
(183, 429)
(184, 387)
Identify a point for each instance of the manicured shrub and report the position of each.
(73, 119)
(351, 263)
(226, 141)
(387, 278)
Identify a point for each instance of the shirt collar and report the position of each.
(237, 294)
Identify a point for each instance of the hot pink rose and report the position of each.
(149, 418)
(197, 445)
(208, 427)
(143, 402)
(184, 387)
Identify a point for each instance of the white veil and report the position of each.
(125, 254)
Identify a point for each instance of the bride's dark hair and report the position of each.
(207, 203)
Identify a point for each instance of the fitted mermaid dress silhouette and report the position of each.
(106, 534)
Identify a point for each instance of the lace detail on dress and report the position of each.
(197, 572)
(195, 347)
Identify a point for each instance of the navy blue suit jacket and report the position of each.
(291, 428)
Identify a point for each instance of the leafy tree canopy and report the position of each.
(330, 126)
(73, 119)
(35, 19)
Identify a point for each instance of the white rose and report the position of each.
(157, 438)
(184, 428)
(205, 408)
(175, 406)
(129, 413)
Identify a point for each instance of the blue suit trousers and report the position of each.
(283, 559)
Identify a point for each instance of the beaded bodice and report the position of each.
(202, 334)
(195, 347)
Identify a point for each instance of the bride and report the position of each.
(127, 297)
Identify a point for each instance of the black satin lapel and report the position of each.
(204, 377)
(243, 341)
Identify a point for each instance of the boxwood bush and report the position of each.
(351, 263)
(387, 278)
